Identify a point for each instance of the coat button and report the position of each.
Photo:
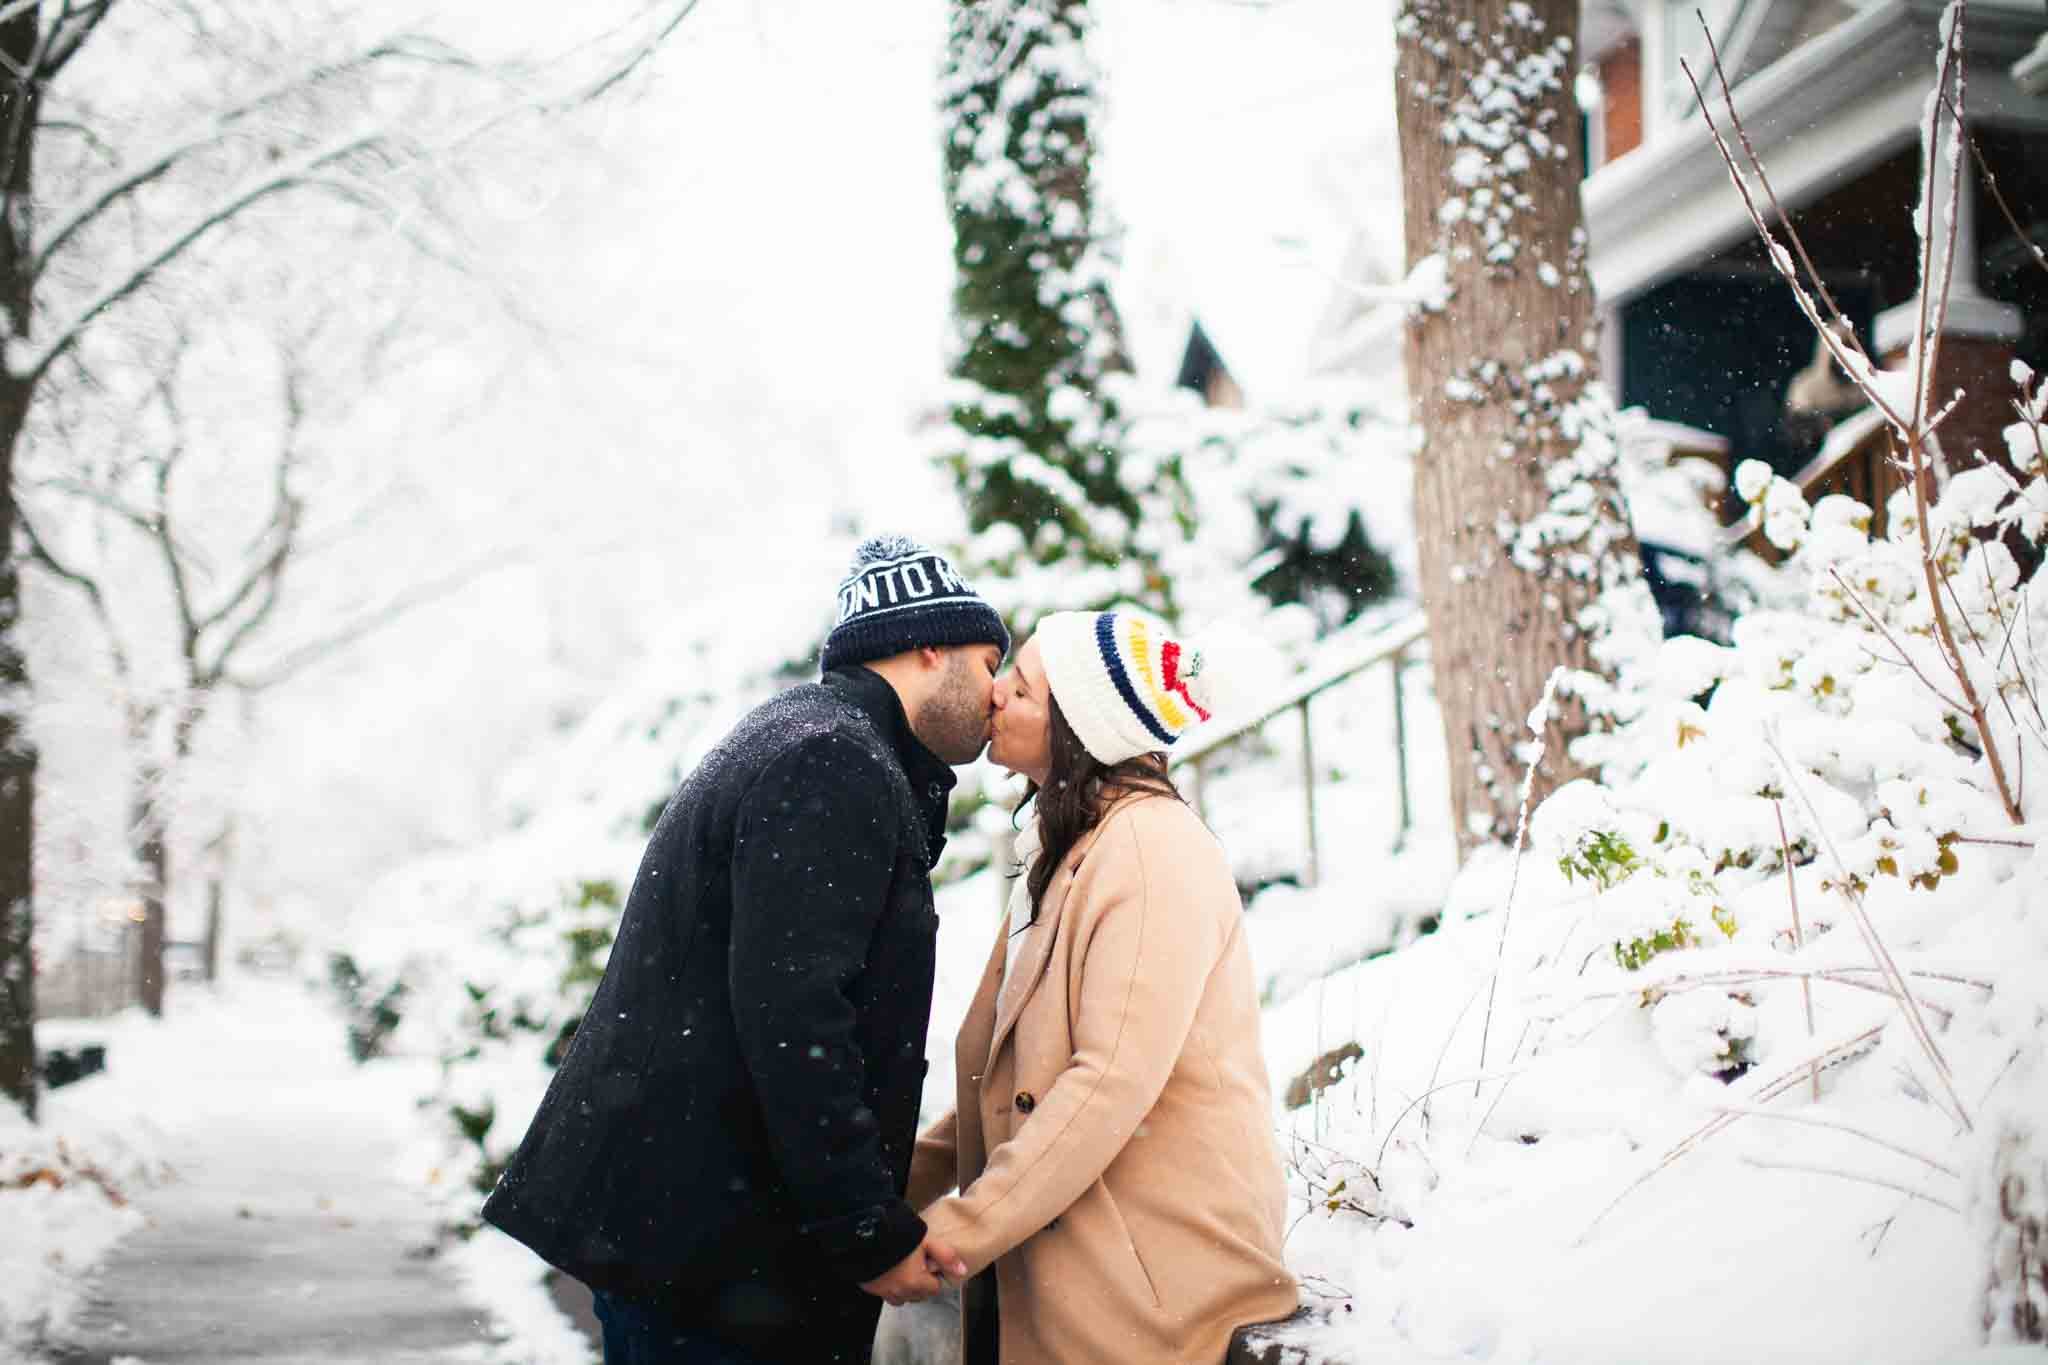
(1025, 1104)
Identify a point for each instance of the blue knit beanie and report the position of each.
(899, 595)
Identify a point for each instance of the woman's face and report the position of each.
(1020, 736)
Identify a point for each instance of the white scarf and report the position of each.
(1029, 841)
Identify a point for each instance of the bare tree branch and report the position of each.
(85, 134)
(69, 33)
(167, 545)
(586, 93)
(597, 89)
(266, 573)
(297, 175)
(40, 553)
(217, 130)
(100, 497)
(298, 659)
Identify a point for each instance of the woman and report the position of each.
(1112, 1141)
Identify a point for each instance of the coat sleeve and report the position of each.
(1141, 981)
(935, 1164)
(812, 864)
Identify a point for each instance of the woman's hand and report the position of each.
(918, 1276)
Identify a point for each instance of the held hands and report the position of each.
(919, 1275)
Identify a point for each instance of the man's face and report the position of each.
(953, 719)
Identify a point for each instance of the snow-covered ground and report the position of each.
(258, 1171)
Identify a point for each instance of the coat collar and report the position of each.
(931, 779)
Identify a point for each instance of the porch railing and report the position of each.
(1392, 646)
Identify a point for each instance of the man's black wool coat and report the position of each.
(729, 1136)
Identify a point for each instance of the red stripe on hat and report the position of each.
(1169, 673)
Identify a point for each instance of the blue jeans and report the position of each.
(635, 1334)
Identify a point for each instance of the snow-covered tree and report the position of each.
(113, 186)
(1038, 446)
(1525, 551)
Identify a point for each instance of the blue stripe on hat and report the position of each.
(1105, 641)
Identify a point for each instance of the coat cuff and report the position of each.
(861, 1246)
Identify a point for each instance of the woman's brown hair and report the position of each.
(1078, 789)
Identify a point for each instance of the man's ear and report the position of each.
(931, 656)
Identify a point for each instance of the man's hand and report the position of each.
(919, 1275)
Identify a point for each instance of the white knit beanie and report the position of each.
(1122, 681)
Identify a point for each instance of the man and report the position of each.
(723, 1153)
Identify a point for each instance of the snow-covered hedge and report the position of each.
(1759, 1021)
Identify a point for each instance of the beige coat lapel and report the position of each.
(1019, 985)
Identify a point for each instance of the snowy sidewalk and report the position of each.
(284, 1234)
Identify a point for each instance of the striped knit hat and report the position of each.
(1124, 684)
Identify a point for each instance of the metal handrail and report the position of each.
(1390, 645)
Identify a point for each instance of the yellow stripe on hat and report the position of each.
(1139, 645)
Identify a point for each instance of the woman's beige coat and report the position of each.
(1113, 1141)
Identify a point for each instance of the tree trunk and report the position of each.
(214, 886)
(18, 112)
(1519, 523)
(152, 856)
(17, 795)
(219, 853)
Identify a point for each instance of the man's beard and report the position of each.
(953, 722)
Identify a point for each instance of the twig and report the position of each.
(1838, 1126)
(1908, 1005)
(1763, 1165)
(1411, 1106)
(1840, 1052)
(1926, 346)
(1798, 933)
(143, 271)
(40, 553)
(1998, 196)
(1839, 976)
(598, 88)
(1854, 364)
(1757, 168)
(1450, 1037)
(1904, 657)
(1539, 720)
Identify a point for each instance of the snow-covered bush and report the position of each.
(65, 1188)
(1793, 933)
